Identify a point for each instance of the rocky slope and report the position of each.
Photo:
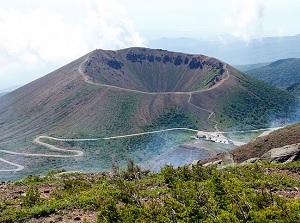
(279, 146)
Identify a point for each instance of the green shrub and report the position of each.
(109, 212)
(32, 197)
(244, 193)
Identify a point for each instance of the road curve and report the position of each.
(38, 142)
(54, 148)
(51, 147)
(77, 152)
(19, 167)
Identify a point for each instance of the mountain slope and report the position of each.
(294, 89)
(126, 91)
(281, 73)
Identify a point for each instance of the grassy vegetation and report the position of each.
(116, 117)
(122, 120)
(208, 78)
(84, 94)
(102, 153)
(246, 193)
(174, 118)
(257, 107)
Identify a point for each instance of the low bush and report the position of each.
(244, 193)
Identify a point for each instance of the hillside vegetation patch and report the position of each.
(250, 193)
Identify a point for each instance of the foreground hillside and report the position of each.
(281, 73)
(259, 149)
(251, 193)
(282, 137)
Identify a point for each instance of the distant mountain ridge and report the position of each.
(247, 67)
(281, 73)
(237, 52)
(6, 90)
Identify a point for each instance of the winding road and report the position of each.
(19, 167)
(80, 153)
(77, 153)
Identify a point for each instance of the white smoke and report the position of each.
(245, 19)
(35, 40)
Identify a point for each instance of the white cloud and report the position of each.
(245, 19)
(38, 37)
(115, 31)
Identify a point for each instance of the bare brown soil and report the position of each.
(279, 138)
(77, 215)
(291, 192)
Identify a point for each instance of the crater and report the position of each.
(150, 70)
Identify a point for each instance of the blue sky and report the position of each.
(38, 36)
